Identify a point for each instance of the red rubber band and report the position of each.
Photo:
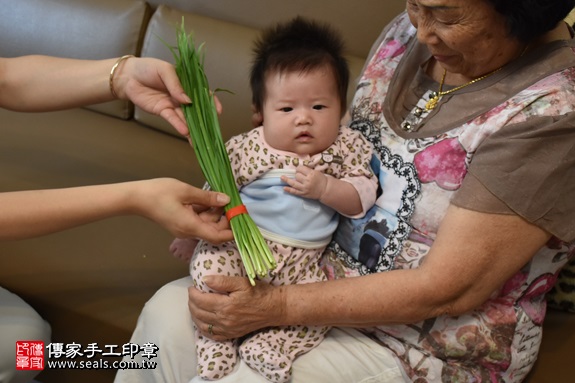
(235, 211)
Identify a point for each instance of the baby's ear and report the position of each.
(257, 117)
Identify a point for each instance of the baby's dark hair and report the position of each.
(298, 45)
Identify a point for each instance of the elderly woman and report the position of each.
(470, 107)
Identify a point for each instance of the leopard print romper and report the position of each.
(269, 351)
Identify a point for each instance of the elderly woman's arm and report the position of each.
(474, 255)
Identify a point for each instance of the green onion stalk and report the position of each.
(203, 124)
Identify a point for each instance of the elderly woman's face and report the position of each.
(467, 37)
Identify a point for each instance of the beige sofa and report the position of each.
(91, 282)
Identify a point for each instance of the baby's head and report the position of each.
(299, 82)
(299, 45)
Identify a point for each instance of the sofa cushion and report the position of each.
(228, 57)
(89, 29)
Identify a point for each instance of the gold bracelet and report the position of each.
(114, 71)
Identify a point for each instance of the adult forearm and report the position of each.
(473, 255)
(42, 83)
(366, 301)
(32, 213)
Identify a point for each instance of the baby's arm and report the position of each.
(337, 194)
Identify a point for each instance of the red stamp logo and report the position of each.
(29, 355)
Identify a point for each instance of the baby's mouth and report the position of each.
(304, 136)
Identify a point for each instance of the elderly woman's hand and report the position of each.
(236, 309)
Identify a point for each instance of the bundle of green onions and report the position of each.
(202, 120)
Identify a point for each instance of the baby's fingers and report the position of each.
(288, 180)
(293, 185)
(293, 191)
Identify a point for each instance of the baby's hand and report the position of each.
(307, 183)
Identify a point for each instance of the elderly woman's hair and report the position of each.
(529, 19)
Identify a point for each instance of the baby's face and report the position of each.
(301, 111)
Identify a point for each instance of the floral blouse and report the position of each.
(510, 135)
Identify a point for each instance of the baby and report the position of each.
(295, 173)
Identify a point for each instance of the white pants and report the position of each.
(18, 321)
(345, 356)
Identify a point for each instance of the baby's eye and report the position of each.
(286, 109)
(318, 107)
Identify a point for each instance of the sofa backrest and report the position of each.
(360, 22)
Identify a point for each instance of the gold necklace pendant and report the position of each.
(434, 96)
(429, 105)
